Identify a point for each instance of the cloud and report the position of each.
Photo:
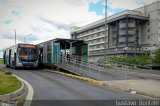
(8, 21)
(19, 38)
(116, 6)
(16, 12)
(56, 24)
(128, 4)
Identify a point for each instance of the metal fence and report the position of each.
(100, 71)
(94, 70)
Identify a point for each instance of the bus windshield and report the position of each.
(28, 54)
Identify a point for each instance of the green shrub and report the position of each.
(8, 73)
(156, 58)
(138, 60)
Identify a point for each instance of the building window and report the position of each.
(97, 46)
(91, 36)
(148, 36)
(98, 34)
(98, 28)
(98, 40)
(86, 37)
(148, 30)
(101, 34)
(101, 27)
(148, 15)
(101, 46)
(123, 21)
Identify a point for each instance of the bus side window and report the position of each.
(4, 57)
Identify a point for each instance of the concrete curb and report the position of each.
(102, 83)
(14, 94)
(30, 89)
(78, 77)
(29, 94)
(137, 92)
(17, 93)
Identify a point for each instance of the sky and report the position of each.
(42, 20)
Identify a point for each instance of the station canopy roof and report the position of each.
(65, 42)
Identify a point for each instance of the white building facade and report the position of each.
(130, 32)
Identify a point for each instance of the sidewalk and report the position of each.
(145, 87)
(136, 74)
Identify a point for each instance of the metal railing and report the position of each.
(127, 66)
(76, 65)
(94, 70)
(75, 62)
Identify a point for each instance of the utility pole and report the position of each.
(144, 3)
(105, 44)
(15, 36)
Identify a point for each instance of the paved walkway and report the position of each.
(144, 87)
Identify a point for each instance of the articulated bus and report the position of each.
(21, 55)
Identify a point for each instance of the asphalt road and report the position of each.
(50, 88)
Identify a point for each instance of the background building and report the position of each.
(130, 32)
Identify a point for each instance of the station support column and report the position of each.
(70, 50)
(65, 50)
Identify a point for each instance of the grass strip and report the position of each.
(8, 83)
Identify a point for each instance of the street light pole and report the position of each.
(105, 45)
(15, 36)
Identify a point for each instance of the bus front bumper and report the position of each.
(31, 64)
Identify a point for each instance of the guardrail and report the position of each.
(73, 63)
(92, 69)
(120, 70)
(85, 68)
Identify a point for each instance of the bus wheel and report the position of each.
(15, 67)
(7, 66)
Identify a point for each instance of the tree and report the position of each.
(156, 58)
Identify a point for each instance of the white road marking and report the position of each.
(30, 92)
